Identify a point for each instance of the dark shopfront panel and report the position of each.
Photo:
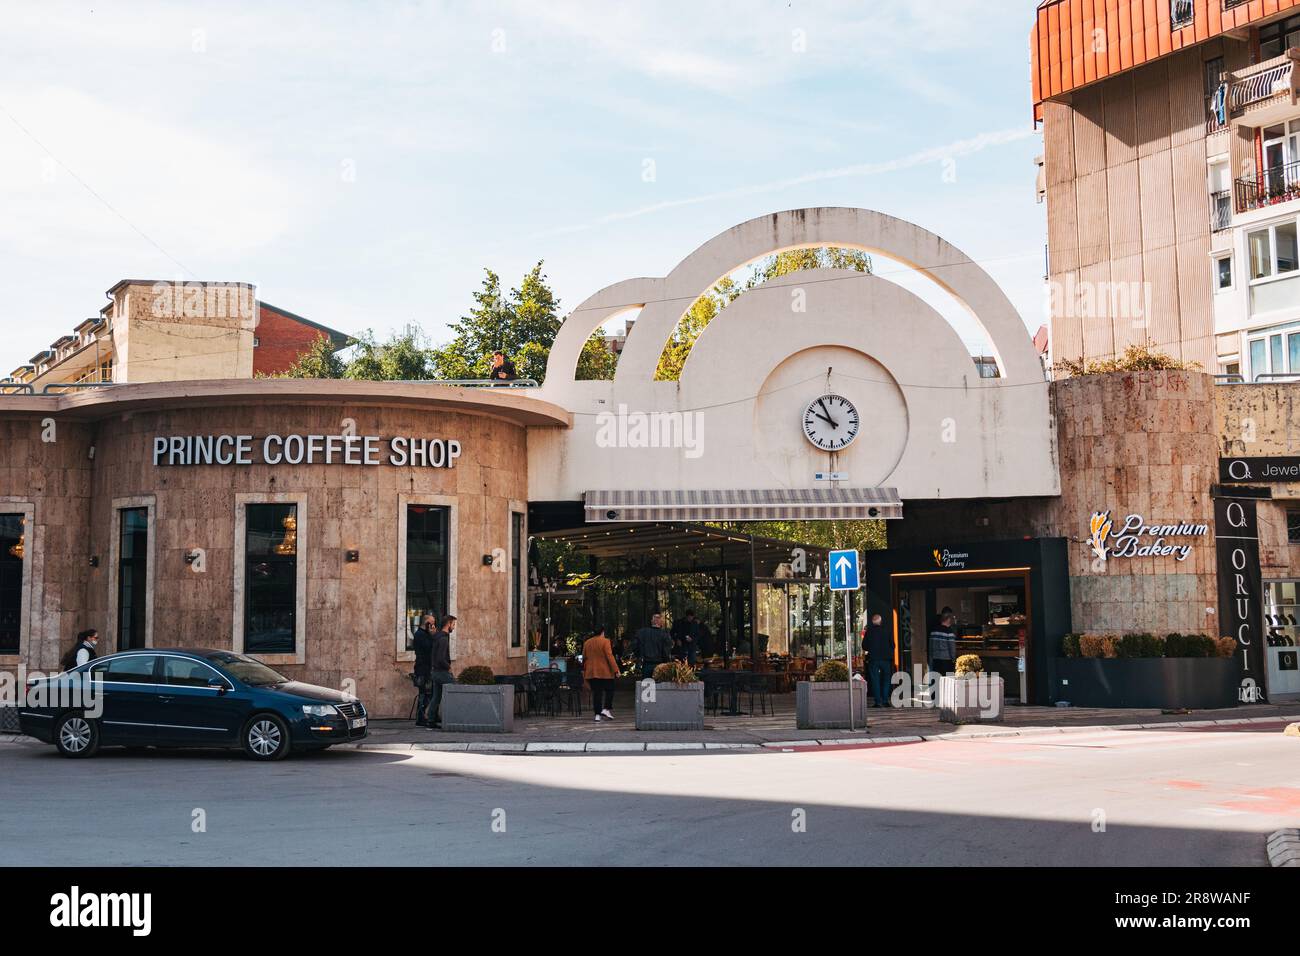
(993, 576)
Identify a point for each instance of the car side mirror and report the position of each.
(218, 683)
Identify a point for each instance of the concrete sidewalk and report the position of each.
(570, 734)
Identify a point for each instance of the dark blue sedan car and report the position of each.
(186, 698)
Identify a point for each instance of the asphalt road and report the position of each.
(1164, 797)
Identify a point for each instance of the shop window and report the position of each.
(1293, 525)
(426, 564)
(271, 579)
(13, 552)
(516, 579)
(132, 577)
(1181, 14)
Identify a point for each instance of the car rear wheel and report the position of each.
(266, 737)
(76, 736)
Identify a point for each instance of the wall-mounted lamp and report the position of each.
(94, 560)
(352, 557)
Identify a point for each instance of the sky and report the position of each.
(362, 163)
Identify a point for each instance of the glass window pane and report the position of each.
(135, 669)
(1288, 258)
(182, 672)
(1293, 352)
(1223, 271)
(426, 564)
(1293, 526)
(132, 577)
(13, 550)
(271, 579)
(1275, 353)
(1258, 358)
(1261, 254)
(516, 570)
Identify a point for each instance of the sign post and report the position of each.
(844, 577)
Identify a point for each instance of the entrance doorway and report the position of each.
(992, 618)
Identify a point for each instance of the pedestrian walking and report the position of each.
(942, 645)
(878, 646)
(439, 669)
(654, 646)
(423, 645)
(82, 652)
(601, 670)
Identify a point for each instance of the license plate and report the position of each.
(356, 723)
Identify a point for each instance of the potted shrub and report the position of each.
(970, 695)
(477, 704)
(1170, 672)
(673, 700)
(822, 703)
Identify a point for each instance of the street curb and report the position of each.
(1284, 848)
(837, 743)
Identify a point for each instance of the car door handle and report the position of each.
(165, 699)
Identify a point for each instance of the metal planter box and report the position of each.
(674, 707)
(478, 708)
(825, 706)
(1167, 683)
(979, 698)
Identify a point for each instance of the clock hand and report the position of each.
(825, 419)
(822, 403)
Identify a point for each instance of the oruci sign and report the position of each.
(1135, 539)
(305, 450)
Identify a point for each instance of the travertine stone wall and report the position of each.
(48, 468)
(1264, 421)
(1135, 442)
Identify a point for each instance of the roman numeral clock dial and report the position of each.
(831, 422)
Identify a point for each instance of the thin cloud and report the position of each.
(934, 154)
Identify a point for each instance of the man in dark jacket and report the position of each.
(440, 668)
(503, 370)
(879, 648)
(423, 644)
(654, 646)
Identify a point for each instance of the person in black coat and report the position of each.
(879, 648)
(423, 644)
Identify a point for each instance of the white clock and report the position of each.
(831, 422)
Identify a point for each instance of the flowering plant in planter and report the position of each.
(675, 672)
(831, 671)
(968, 665)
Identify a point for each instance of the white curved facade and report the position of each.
(931, 427)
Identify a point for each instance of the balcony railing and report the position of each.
(1220, 210)
(1265, 81)
(1277, 184)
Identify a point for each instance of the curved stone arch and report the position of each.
(663, 301)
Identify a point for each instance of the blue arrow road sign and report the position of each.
(844, 571)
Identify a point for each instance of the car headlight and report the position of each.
(320, 710)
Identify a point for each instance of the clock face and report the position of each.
(831, 422)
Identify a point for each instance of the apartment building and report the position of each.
(159, 331)
(1171, 135)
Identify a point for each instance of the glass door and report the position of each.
(1282, 624)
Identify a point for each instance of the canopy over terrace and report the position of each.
(756, 595)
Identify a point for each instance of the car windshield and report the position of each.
(251, 672)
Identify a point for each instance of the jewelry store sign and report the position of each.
(1137, 539)
(1277, 468)
(363, 450)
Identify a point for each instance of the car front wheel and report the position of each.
(266, 737)
(76, 736)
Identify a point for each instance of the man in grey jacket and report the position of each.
(440, 669)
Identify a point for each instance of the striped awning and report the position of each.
(779, 504)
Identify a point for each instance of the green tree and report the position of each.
(706, 308)
(321, 360)
(403, 358)
(863, 535)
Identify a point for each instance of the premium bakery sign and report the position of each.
(1137, 539)
(401, 450)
